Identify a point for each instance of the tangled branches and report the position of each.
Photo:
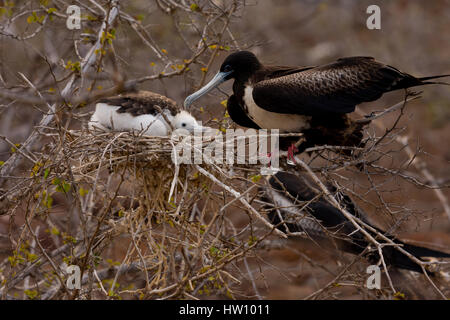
(171, 223)
(139, 225)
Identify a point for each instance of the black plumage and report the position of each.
(142, 102)
(333, 88)
(295, 204)
(313, 100)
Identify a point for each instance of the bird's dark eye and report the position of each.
(227, 68)
(183, 124)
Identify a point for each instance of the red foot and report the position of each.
(269, 154)
(291, 153)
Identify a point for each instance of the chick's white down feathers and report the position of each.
(107, 118)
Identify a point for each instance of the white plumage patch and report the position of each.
(272, 120)
(107, 118)
(292, 213)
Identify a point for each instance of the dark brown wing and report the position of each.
(337, 87)
(141, 102)
(304, 189)
(303, 192)
(270, 72)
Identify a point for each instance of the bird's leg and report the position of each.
(291, 154)
(269, 155)
(295, 148)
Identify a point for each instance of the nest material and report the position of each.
(90, 151)
(180, 239)
(172, 216)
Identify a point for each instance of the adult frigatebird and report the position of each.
(295, 204)
(312, 100)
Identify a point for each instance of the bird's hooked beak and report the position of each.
(217, 80)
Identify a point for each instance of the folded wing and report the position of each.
(337, 87)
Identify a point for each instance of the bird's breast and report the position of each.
(273, 120)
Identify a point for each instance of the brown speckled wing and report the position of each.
(337, 87)
(142, 102)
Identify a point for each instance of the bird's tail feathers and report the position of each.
(425, 252)
(424, 80)
(434, 77)
(408, 81)
(398, 259)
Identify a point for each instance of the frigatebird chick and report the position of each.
(295, 204)
(141, 111)
(313, 100)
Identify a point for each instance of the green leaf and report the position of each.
(83, 191)
(213, 251)
(55, 231)
(63, 187)
(48, 201)
(195, 7)
(66, 187)
(31, 257)
(256, 178)
(31, 294)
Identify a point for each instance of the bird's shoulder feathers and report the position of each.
(141, 102)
